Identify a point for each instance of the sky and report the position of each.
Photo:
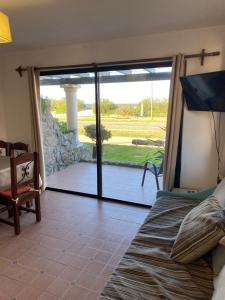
(119, 93)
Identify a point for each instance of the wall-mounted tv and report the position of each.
(205, 92)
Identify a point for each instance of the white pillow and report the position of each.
(219, 286)
(219, 192)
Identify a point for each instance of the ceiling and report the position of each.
(44, 23)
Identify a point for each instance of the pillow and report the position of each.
(200, 231)
(201, 195)
(219, 192)
(219, 286)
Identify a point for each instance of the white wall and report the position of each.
(198, 157)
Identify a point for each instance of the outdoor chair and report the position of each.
(19, 194)
(155, 166)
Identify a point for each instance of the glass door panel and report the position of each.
(69, 131)
(133, 105)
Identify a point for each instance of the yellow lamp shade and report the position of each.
(5, 34)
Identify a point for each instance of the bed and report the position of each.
(146, 271)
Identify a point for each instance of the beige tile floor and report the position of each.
(121, 183)
(71, 253)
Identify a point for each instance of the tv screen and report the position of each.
(205, 92)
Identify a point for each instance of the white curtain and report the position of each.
(173, 122)
(35, 103)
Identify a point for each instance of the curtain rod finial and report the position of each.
(20, 71)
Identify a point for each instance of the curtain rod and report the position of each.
(202, 55)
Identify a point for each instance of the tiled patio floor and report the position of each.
(121, 183)
(71, 253)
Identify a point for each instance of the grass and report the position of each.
(133, 127)
(155, 133)
(132, 154)
(113, 119)
(119, 148)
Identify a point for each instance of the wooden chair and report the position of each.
(18, 148)
(21, 193)
(6, 147)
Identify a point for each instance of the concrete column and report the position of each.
(71, 108)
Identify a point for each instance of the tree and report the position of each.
(125, 110)
(59, 106)
(90, 131)
(107, 107)
(159, 107)
(80, 105)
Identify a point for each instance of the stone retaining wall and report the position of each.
(60, 149)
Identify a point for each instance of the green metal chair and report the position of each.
(155, 166)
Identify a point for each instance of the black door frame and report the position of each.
(96, 69)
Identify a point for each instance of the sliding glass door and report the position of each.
(69, 131)
(104, 128)
(134, 103)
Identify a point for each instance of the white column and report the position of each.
(71, 108)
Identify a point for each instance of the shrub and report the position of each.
(63, 127)
(90, 131)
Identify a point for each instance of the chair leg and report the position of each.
(143, 178)
(38, 208)
(16, 219)
(157, 182)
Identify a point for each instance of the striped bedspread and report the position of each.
(146, 271)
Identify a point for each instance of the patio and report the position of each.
(122, 183)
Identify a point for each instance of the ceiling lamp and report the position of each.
(5, 34)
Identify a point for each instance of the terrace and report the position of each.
(122, 183)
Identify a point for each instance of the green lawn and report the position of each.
(133, 127)
(112, 119)
(154, 133)
(136, 154)
(123, 129)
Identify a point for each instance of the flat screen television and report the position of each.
(205, 92)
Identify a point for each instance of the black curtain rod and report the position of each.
(202, 55)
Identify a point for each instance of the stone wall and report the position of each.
(60, 149)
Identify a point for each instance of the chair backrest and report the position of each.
(24, 159)
(18, 148)
(4, 148)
